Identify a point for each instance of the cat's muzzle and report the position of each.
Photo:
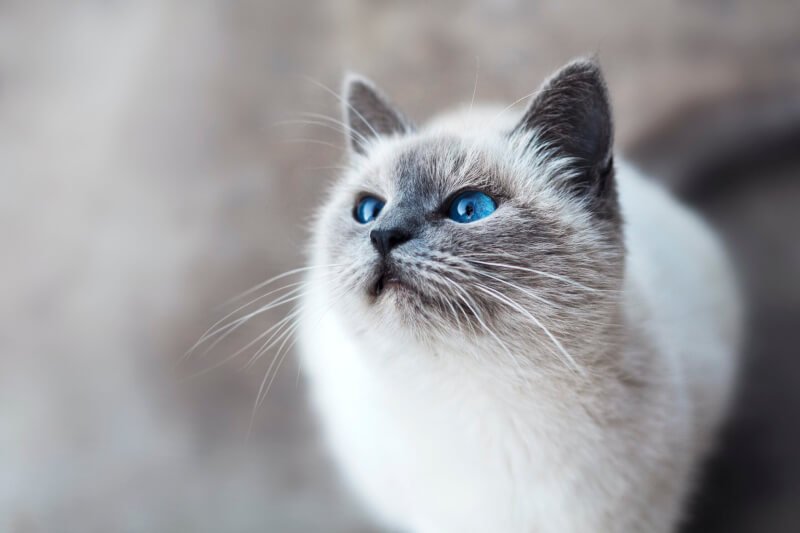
(387, 277)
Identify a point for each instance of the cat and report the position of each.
(508, 329)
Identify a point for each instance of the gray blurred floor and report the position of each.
(145, 181)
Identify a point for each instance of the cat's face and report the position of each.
(457, 230)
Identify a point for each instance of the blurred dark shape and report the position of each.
(709, 145)
(737, 159)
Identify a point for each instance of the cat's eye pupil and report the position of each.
(367, 209)
(470, 206)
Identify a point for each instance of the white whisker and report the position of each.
(308, 122)
(313, 141)
(266, 382)
(475, 86)
(536, 321)
(526, 292)
(232, 326)
(212, 331)
(344, 102)
(537, 272)
(276, 278)
(344, 128)
(488, 330)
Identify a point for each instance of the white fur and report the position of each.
(433, 439)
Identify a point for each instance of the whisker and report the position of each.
(277, 331)
(274, 339)
(473, 270)
(518, 100)
(344, 102)
(328, 167)
(285, 349)
(508, 283)
(442, 281)
(307, 122)
(512, 104)
(232, 326)
(236, 353)
(537, 272)
(313, 141)
(241, 350)
(291, 296)
(570, 361)
(475, 86)
(211, 331)
(488, 330)
(536, 321)
(344, 128)
(266, 382)
(276, 278)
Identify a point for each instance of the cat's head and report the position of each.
(479, 223)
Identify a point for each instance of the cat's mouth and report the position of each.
(387, 279)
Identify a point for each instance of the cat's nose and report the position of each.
(385, 239)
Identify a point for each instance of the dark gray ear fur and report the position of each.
(572, 115)
(369, 114)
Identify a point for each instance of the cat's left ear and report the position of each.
(571, 116)
(369, 114)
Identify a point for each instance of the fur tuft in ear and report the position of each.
(571, 114)
(369, 114)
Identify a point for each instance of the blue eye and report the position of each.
(367, 209)
(471, 206)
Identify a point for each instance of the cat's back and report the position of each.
(677, 266)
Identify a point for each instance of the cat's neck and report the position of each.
(535, 360)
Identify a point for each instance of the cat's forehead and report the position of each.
(431, 166)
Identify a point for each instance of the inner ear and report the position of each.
(369, 114)
(571, 116)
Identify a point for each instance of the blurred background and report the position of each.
(147, 175)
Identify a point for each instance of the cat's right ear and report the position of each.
(369, 114)
(571, 116)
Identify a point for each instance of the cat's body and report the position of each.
(572, 393)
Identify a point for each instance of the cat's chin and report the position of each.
(387, 289)
(396, 298)
(388, 282)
